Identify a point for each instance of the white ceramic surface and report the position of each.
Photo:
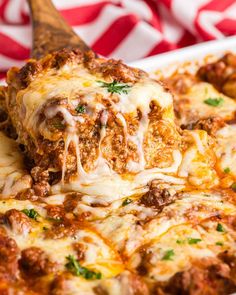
(186, 54)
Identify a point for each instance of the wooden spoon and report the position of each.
(50, 31)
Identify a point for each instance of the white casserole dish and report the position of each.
(190, 53)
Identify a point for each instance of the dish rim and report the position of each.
(185, 54)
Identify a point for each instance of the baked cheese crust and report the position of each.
(116, 183)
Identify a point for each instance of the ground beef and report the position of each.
(41, 178)
(230, 259)
(99, 290)
(35, 262)
(27, 73)
(207, 277)
(2, 218)
(39, 174)
(221, 74)
(18, 222)
(80, 250)
(3, 231)
(9, 253)
(229, 87)
(210, 125)
(157, 198)
(58, 285)
(62, 228)
(132, 284)
(41, 189)
(27, 194)
(71, 201)
(180, 83)
(55, 212)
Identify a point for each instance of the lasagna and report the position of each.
(116, 183)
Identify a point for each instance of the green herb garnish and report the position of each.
(31, 213)
(219, 243)
(168, 255)
(76, 269)
(214, 102)
(227, 170)
(220, 228)
(115, 87)
(126, 202)
(180, 242)
(80, 109)
(233, 186)
(192, 241)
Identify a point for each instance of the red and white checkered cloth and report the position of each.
(126, 29)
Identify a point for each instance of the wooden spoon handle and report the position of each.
(50, 31)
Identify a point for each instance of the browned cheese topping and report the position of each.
(114, 183)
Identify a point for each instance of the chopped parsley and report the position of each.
(81, 109)
(214, 102)
(219, 243)
(227, 170)
(168, 255)
(126, 202)
(220, 228)
(180, 242)
(115, 87)
(76, 269)
(192, 241)
(31, 213)
(233, 186)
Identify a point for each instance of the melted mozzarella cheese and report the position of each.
(98, 255)
(116, 207)
(13, 177)
(115, 187)
(121, 232)
(109, 184)
(226, 148)
(198, 109)
(187, 243)
(75, 81)
(177, 220)
(113, 286)
(72, 285)
(174, 229)
(20, 205)
(208, 204)
(198, 159)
